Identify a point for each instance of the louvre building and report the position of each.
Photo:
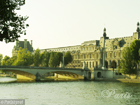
(91, 51)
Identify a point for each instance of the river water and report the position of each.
(72, 93)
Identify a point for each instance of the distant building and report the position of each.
(90, 52)
(22, 44)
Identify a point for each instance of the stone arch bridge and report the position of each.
(85, 73)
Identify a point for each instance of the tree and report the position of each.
(134, 48)
(1, 56)
(68, 57)
(54, 59)
(45, 56)
(11, 25)
(60, 55)
(24, 58)
(37, 57)
(128, 65)
(11, 61)
(4, 63)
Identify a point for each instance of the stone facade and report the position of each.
(91, 51)
(22, 44)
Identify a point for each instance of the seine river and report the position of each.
(72, 93)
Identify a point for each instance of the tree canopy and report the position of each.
(54, 59)
(134, 48)
(4, 61)
(24, 58)
(37, 57)
(68, 57)
(128, 65)
(11, 24)
(45, 59)
(45, 56)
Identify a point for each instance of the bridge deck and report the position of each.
(33, 67)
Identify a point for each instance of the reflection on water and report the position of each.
(73, 93)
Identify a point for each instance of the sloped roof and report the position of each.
(21, 44)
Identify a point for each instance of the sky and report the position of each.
(59, 23)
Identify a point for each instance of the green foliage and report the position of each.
(4, 61)
(11, 61)
(11, 25)
(24, 58)
(60, 55)
(45, 59)
(45, 56)
(37, 57)
(54, 59)
(128, 65)
(1, 56)
(68, 57)
(134, 48)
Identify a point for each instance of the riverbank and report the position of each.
(129, 80)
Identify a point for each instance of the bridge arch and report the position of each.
(99, 75)
(22, 74)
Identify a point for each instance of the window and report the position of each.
(84, 56)
(110, 55)
(89, 55)
(114, 54)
